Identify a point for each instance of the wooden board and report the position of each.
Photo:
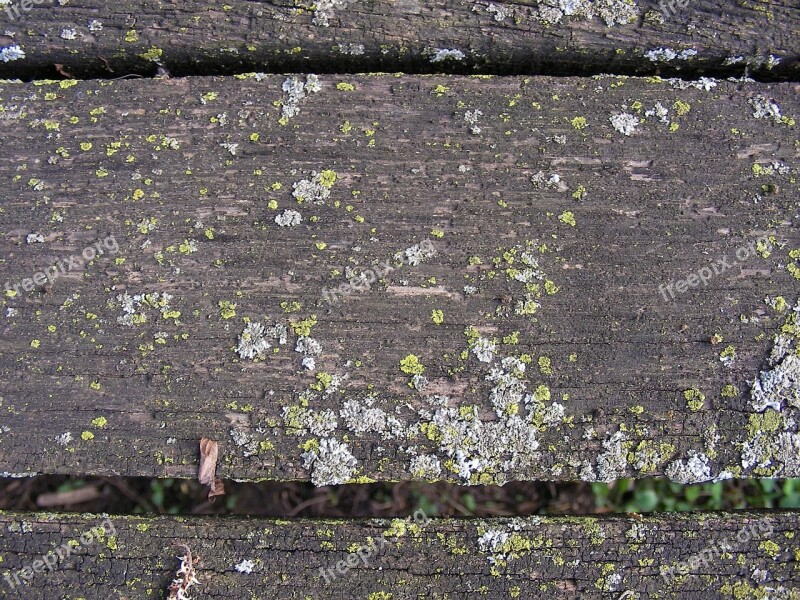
(724, 555)
(197, 37)
(508, 223)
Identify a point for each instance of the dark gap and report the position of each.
(143, 495)
(321, 63)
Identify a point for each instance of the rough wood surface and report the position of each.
(551, 238)
(93, 38)
(724, 555)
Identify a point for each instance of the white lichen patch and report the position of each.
(765, 108)
(553, 181)
(244, 440)
(364, 417)
(351, 49)
(611, 12)
(612, 463)
(317, 189)
(704, 83)
(509, 387)
(425, 466)
(479, 451)
(254, 341)
(324, 11)
(246, 566)
(441, 54)
(500, 12)
(668, 54)
(484, 350)
(135, 308)
(230, 147)
(418, 253)
(780, 384)
(501, 545)
(330, 464)
(778, 454)
(695, 469)
(308, 346)
(296, 90)
(472, 117)
(658, 111)
(12, 52)
(624, 123)
(288, 218)
(64, 439)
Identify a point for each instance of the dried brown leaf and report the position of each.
(209, 453)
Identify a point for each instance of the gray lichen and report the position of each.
(764, 108)
(624, 123)
(668, 54)
(288, 218)
(612, 12)
(696, 469)
(612, 463)
(780, 384)
(330, 464)
(297, 90)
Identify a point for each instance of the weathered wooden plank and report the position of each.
(556, 238)
(721, 555)
(199, 37)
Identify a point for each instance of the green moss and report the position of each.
(227, 309)
(771, 548)
(729, 391)
(681, 107)
(568, 218)
(411, 365)
(397, 528)
(303, 328)
(542, 393)
(545, 365)
(578, 123)
(769, 421)
(695, 399)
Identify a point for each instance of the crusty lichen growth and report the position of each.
(330, 464)
(612, 12)
(772, 446)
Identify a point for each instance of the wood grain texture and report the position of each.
(723, 555)
(91, 38)
(189, 177)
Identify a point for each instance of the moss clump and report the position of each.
(411, 365)
(695, 399)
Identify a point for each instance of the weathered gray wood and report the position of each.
(93, 38)
(151, 163)
(746, 554)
